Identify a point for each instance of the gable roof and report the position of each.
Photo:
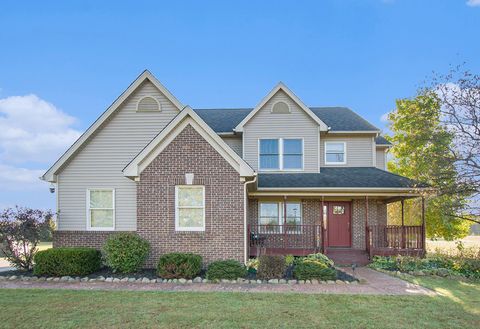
(50, 175)
(186, 117)
(339, 119)
(286, 90)
(330, 178)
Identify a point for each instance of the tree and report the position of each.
(422, 151)
(459, 95)
(20, 232)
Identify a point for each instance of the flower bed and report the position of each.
(435, 264)
(282, 273)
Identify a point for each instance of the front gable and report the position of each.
(186, 118)
(123, 123)
(281, 93)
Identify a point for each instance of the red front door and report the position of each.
(339, 234)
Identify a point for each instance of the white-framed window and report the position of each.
(284, 154)
(101, 209)
(190, 208)
(271, 217)
(335, 153)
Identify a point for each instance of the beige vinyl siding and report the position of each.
(235, 143)
(100, 162)
(360, 149)
(381, 158)
(296, 124)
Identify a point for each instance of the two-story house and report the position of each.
(280, 178)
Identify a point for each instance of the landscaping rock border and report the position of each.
(197, 280)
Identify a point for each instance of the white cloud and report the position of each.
(473, 3)
(21, 179)
(33, 130)
(33, 134)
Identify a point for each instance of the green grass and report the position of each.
(456, 307)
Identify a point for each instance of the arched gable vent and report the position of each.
(280, 107)
(148, 103)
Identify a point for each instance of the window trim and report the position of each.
(89, 220)
(344, 162)
(177, 207)
(280, 215)
(280, 154)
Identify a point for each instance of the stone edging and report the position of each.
(197, 280)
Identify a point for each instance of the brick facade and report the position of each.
(223, 237)
(92, 239)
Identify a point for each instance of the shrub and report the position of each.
(67, 261)
(289, 260)
(319, 257)
(125, 252)
(271, 267)
(384, 263)
(179, 265)
(310, 269)
(226, 269)
(20, 232)
(252, 265)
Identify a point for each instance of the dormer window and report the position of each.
(148, 104)
(280, 154)
(335, 153)
(280, 107)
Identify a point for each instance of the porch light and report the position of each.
(52, 188)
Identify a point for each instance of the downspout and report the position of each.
(245, 201)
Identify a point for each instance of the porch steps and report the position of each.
(348, 257)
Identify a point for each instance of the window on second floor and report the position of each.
(281, 154)
(335, 153)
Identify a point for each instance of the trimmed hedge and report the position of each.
(179, 265)
(309, 269)
(126, 252)
(67, 261)
(271, 267)
(226, 269)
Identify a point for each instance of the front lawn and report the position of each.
(456, 307)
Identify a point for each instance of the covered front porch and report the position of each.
(349, 229)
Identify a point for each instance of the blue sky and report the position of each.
(62, 63)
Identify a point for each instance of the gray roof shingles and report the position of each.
(337, 118)
(351, 177)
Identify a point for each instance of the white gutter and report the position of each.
(245, 201)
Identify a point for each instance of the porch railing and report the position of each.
(395, 237)
(284, 237)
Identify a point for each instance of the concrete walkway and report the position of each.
(375, 283)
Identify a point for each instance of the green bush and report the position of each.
(252, 265)
(289, 260)
(319, 257)
(384, 263)
(226, 269)
(436, 264)
(67, 261)
(125, 252)
(179, 265)
(310, 269)
(271, 267)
